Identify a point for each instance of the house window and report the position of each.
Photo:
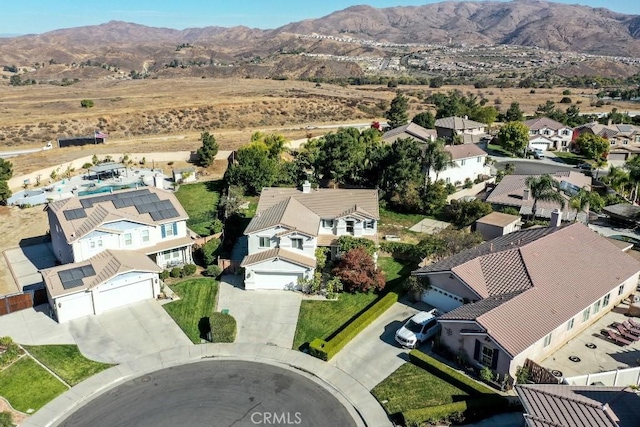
(327, 223)
(625, 142)
(487, 356)
(565, 132)
(462, 162)
(565, 143)
(175, 253)
(169, 230)
(596, 307)
(570, 324)
(547, 132)
(585, 314)
(128, 240)
(605, 300)
(620, 290)
(92, 244)
(265, 242)
(369, 225)
(547, 340)
(479, 159)
(166, 255)
(350, 226)
(145, 235)
(613, 142)
(448, 180)
(296, 243)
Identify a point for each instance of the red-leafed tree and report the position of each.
(358, 272)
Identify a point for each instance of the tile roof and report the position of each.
(544, 122)
(289, 213)
(409, 130)
(464, 151)
(458, 123)
(498, 219)
(623, 210)
(468, 138)
(547, 405)
(80, 216)
(327, 203)
(296, 258)
(474, 310)
(106, 265)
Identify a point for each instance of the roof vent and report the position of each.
(306, 187)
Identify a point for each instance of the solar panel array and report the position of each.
(625, 128)
(72, 278)
(144, 201)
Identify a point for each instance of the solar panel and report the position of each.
(72, 278)
(72, 214)
(164, 214)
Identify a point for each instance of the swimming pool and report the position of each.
(110, 189)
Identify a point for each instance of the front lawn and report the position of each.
(411, 387)
(571, 158)
(197, 300)
(28, 386)
(497, 150)
(67, 362)
(200, 200)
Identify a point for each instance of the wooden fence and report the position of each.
(539, 374)
(16, 302)
(228, 266)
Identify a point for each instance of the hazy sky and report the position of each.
(38, 16)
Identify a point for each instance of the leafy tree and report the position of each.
(401, 167)
(276, 143)
(425, 119)
(593, 146)
(573, 116)
(358, 272)
(513, 114)
(463, 213)
(633, 166)
(617, 178)
(514, 137)
(397, 114)
(545, 109)
(254, 169)
(486, 115)
(6, 170)
(436, 159)
(207, 153)
(584, 200)
(543, 188)
(434, 197)
(209, 251)
(450, 242)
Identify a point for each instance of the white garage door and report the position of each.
(539, 146)
(617, 156)
(123, 295)
(276, 280)
(73, 306)
(442, 300)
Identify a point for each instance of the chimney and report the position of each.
(525, 194)
(556, 218)
(306, 187)
(158, 181)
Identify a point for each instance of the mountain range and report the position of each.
(129, 46)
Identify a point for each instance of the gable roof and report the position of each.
(411, 130)
(105, 266)
(498, 219)
(289, 213)
(80, 216)
(278, 253)
(544, 122)
(554, 269)
(474, 310)
(464, 151)
(458, 123)
(551, 405)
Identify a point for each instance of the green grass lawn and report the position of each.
(67, 362)
(28, 386)
(498, 150)
(200, 200)
(571, 158)
(197, 300)
(321, 319)
(392, 218)
(411, 387)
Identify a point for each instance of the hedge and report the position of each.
(467, 411)
(449, 374)
(325, 350)
(223, 327)
(403, 250)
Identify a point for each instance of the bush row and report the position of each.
(449, 374)
(466, 411)
(185, 271)
(325, 350)
(401, 250)
(223, 327)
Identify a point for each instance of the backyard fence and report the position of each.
(619, 377)
(15, 302)
(539, 374)
(228, 266)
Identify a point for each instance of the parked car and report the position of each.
(420, 328)
(585, 167)
(538, 153)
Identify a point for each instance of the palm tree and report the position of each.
(436, 158)
(599, 164)
(543, 188)
(617, 178)
(583, 199)
(633, 166)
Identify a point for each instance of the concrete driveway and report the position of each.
(374, 355)
(262, 317)
(33, 326)
(25, 262)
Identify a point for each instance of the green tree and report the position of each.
(514, 113)
(209, 251)
(6, 170)
(633, 166)
(434, 197)
(207, 153)
(276, 143)
(397, 114)
(253, 169)
(486, 115)
(617, 178)
(436, 159)
(463, 213)
(514, 137)
(400, 168)
(425, 119)
(573, 116)
(584, 200)
(543, 188)
(546, 109)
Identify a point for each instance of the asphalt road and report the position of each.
(539, 167)
(215, 393)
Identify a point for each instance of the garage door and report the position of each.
(123, 295)
(617, 156)
(73, 306)
(539, 146)
(276, 280)
(442, 300)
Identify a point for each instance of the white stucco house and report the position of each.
(107, 280)
(469, 162)
(147, 220)
(545, 133)
(290, 224)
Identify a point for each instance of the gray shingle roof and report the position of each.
(544, 122)
(411, 130)
(458, 123)
(464, 151)
(289, 213)
(284, 254)
(623, 210)
(498, 219)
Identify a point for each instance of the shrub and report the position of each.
(463, 213)
(565, 100)
(468, 183)
(566, 92)
(176, 272)
(189, 270)
(212, 271)
(209, 251)
(86, 103)
(509, 210)
(346, 243)
(223, 327)
(486, 374)
(358, 272)
(450, 188)
(467, 411)
(164, 275)
(216, 226)
(11, 353)
(6, 419)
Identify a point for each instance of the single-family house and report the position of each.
(624, 139)
(470, 131)
(569, 405)
(410, 130)
(469, 162)
(497, 224)
(545, 133)
(147, 220)
(525, 294)
(512, 191)
(184, 175)
(109, 279)
(290, 224)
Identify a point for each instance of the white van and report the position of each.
(420, 328)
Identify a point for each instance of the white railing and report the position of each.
(619, 377)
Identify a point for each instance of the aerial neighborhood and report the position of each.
(450, 235)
